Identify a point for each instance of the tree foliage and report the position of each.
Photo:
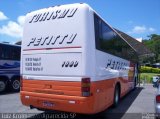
(153, 43)
(146, 69)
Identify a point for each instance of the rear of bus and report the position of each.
(57, 66)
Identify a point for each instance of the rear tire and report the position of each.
(15, 84)
(116, 96)
(2, 86)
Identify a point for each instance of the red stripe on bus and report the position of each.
(53, 48)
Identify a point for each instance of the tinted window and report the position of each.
(107, 38)
(97, 24)
(109, 41)
(9, 52)
(15, 53)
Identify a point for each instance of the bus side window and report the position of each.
(97, 31)
(0, 52)
(15, 53)
(107, 39)
(4, 51)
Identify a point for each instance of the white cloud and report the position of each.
(21, 20)
(139, 39)
(13, 29)
(151, 29)
(2, 16)
(141, 29)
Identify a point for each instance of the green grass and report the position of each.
(148, 77)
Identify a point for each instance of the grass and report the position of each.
(147, 76)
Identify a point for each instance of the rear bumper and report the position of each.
(65, 103)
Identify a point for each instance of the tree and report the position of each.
(153, 43)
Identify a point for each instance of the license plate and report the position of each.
(48, 104)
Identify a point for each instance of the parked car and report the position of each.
(157, 100)
(157, 97)
(155, 81)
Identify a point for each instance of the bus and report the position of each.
(9, 67)
(74, 61)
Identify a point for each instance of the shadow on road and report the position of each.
(8, 91)
(110, 113)
(123, 106)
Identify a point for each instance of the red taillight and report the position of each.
(85, 87)
(85, 80)
(158, 98)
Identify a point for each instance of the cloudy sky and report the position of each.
(138, 18)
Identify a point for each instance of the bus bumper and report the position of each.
(65, 103)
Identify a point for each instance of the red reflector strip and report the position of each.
(57, 48)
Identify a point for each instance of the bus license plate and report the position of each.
(48, 104)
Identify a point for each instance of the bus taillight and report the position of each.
(158, 98)
(85, 87)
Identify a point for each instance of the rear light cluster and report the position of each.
(85, 87)
(158, 98)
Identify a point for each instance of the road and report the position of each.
(135, 105)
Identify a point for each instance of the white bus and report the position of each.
(9, 67)
(74, 61)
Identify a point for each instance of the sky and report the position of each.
(137, 18)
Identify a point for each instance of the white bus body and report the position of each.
(61, 67)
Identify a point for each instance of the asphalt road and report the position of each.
(138, 104)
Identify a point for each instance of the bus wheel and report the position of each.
(15, 84)
(2, 86)
(116, 96)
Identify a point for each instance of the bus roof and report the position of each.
(64, 5)
(14, 45)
